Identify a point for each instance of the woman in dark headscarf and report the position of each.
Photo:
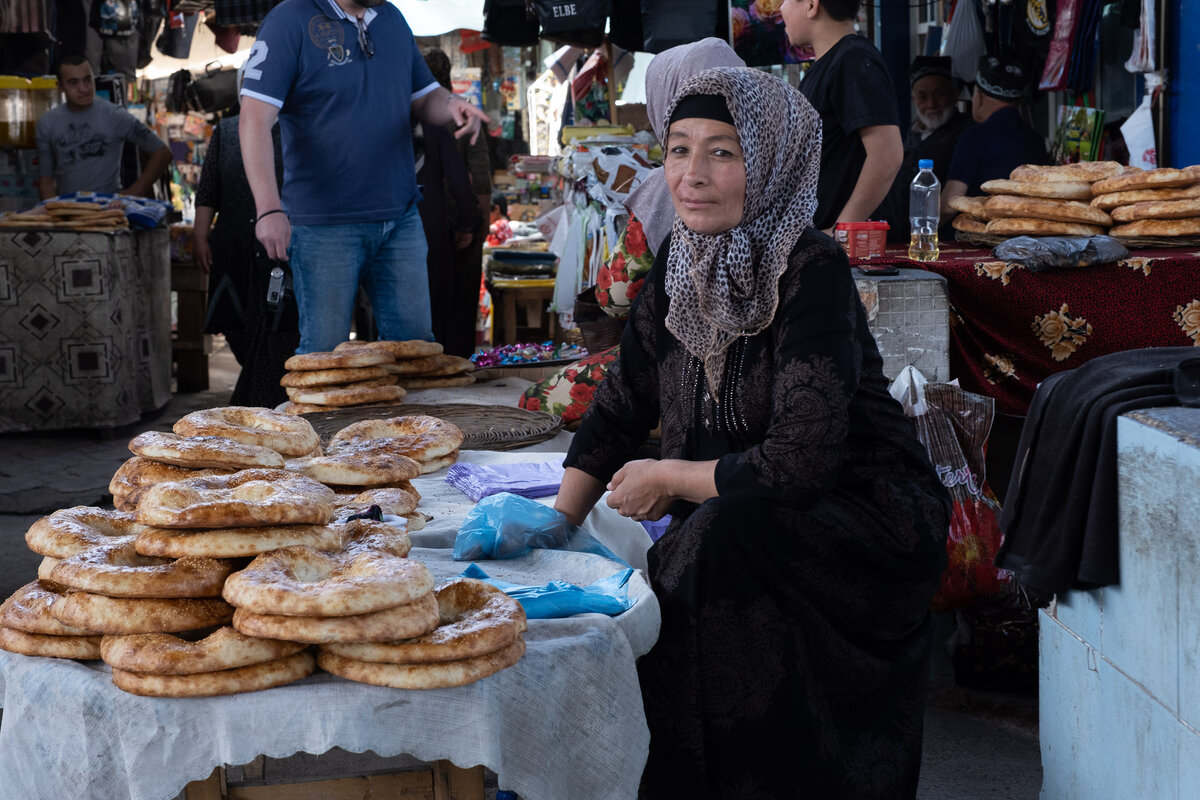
(808, 531)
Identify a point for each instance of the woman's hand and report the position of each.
(637, 491)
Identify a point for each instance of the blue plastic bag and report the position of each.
(506, 525)
(561, 599)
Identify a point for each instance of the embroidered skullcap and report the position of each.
(1001, 77)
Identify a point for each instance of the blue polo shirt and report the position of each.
(343, 116)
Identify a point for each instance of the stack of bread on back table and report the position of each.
(1084, 199)
(361, 373)
(77, 215)
(161, 589)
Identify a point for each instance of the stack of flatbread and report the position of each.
(351, 375)
(1040, 201)
(422, 365)
(1158, 203)
(70, 215)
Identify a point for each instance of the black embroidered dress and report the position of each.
(795, 637)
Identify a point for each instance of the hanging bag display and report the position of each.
(215, 90)
(577, 22)
(509, 23)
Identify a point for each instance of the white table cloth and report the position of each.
(565, 722)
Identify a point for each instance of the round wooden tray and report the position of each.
(483, 427)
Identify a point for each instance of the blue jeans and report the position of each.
(328, 263)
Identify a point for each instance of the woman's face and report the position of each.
(706, 174)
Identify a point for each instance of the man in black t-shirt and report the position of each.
(848, 85)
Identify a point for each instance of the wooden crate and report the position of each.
(442, 780)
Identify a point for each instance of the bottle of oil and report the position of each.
(924, 206)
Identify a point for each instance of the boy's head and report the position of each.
(801, 16)
(76, 81)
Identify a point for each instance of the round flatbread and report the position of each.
(1004, 205)
(341, 358)
(1080, 172)
(411, 348)
(974, 206)
(1161, 178)
(1157, 209)
(1111, 200)
(1158, 227)
(251, 497)
(40, 644)
(236, 542)
(401, 622)
(1056, 190)
(165, 654)
(350, 396)
(211, 684)
(200, 452)
(324, 377)
(969, 224)
(1017, 226)
(439, 675)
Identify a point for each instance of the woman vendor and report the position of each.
(808, 526)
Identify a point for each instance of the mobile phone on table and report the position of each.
(878, 269)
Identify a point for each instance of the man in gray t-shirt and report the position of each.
(80, 141)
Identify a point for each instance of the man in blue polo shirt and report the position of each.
(1001, 142)
(343, 78)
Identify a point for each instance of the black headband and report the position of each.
(702, 106)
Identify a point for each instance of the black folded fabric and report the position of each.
(1060, 513)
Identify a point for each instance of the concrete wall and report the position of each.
(1120, 666)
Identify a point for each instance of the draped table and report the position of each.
(565, 721)
(85, 328)
(1011, 327)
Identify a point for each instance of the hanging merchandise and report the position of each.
(1031, 33)
(215, 90)
(507, 22)
(1054, 76)
(577, 22)
(1081, 74)
(1138, 130)
(176, 37)
(668, 23)
(589, 91)
(241, 12)
(964, 40)
(625, 25)
(1145, 44)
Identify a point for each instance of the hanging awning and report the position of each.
(435, 17)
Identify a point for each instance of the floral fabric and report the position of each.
(568, 392)
(621, 278)
(1011, 328)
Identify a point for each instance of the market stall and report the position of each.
(565, 721)
(85, 328)
(1011, 327)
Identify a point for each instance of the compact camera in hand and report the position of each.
(275, 287)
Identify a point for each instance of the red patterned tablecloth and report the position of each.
(1011, 327)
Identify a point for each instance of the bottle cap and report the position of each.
(925, 163)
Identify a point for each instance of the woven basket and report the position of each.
(483, 427)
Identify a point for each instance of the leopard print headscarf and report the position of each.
(726, 285)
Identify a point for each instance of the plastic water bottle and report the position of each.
(924, 209)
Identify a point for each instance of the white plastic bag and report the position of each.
(1138, 130)
(964, 42)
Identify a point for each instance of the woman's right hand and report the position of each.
(202, 254)
(275, 233)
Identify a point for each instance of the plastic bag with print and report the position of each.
(954, 425)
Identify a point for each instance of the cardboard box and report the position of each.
(441, 780)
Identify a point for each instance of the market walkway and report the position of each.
(978, 745)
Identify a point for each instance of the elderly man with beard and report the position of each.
(933, 133)
(344, 78)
